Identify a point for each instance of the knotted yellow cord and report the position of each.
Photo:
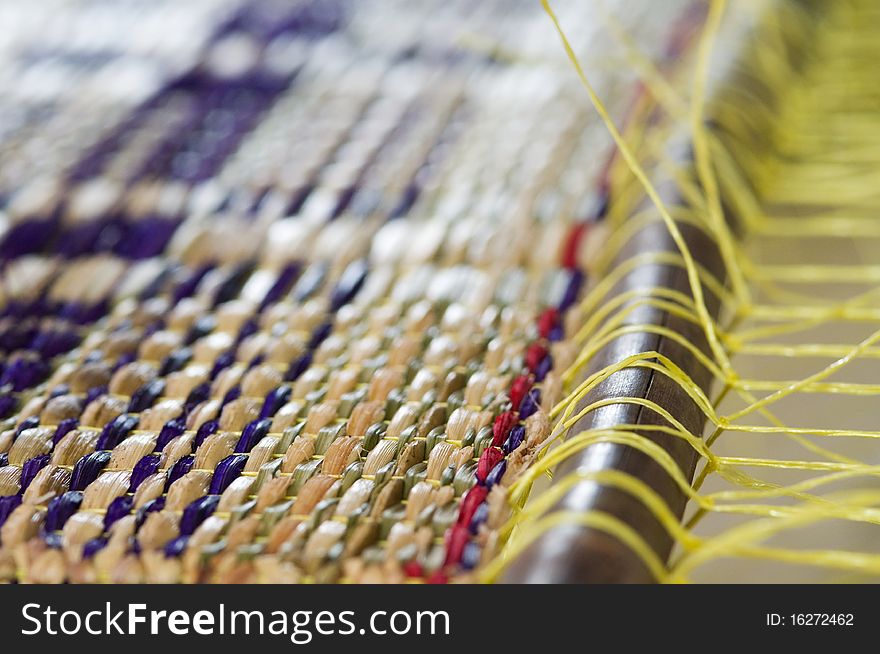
(815, 179)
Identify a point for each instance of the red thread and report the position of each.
(535, 354)
(413, 569)
(519, 388)
(456, 539)
(490, 457)
(469, 504)
(503, 424)
(547, 321)
(572, 244)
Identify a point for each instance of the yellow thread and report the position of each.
(830, 171)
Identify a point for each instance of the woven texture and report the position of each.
(289, 306)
